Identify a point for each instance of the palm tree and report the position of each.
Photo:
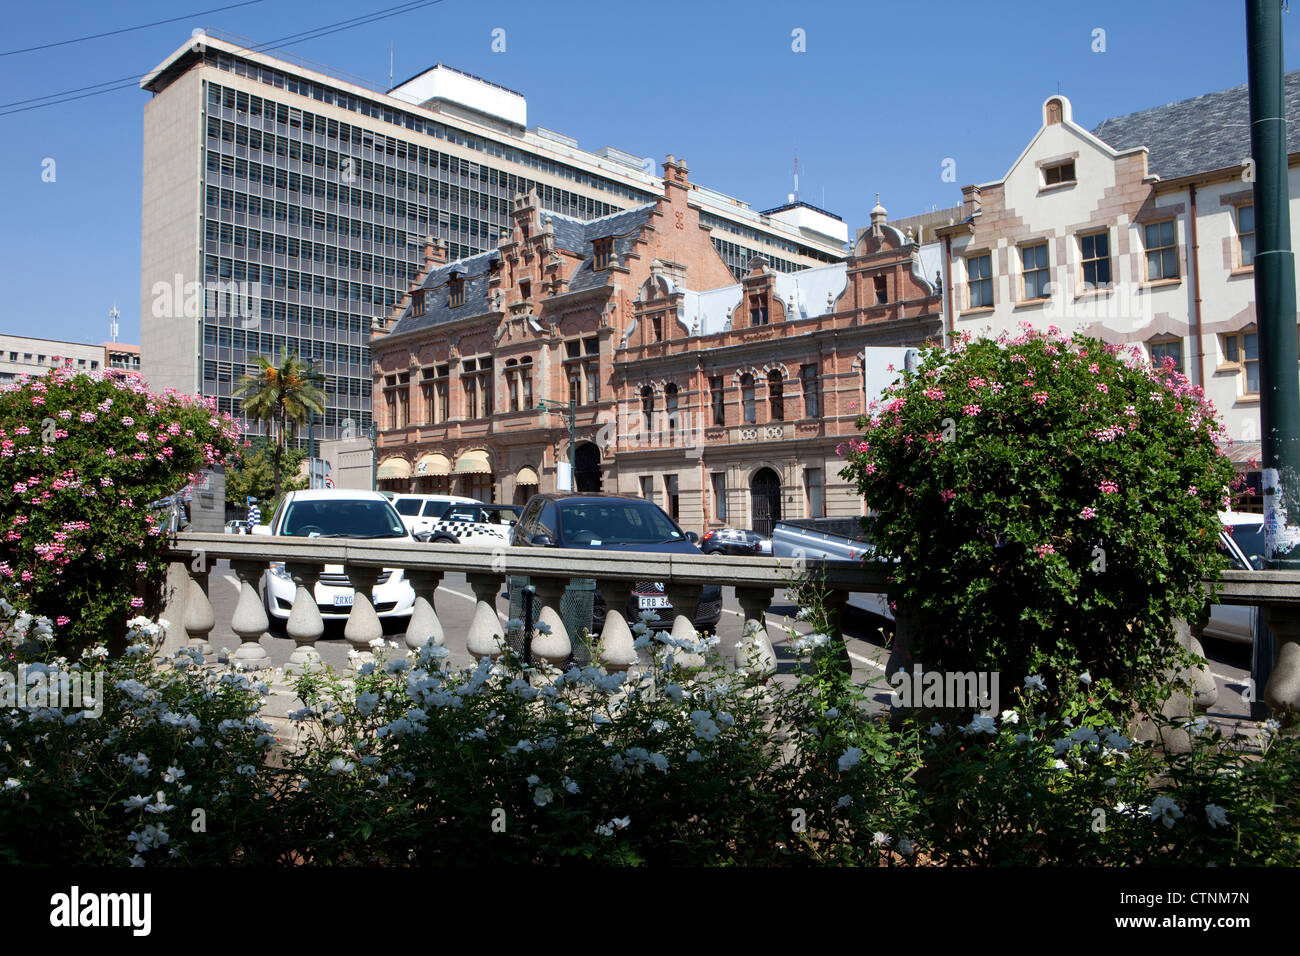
(280, 396)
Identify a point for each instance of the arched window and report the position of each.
(670, 406)
(648, 408)
(776, 393)
(747, 398)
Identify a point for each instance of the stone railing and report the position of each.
(756, 581)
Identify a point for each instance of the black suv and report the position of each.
(616, 523)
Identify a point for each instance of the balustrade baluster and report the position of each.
(199, 616)
(305, 625)
(363, 625)
(425, 626)
(684, 598)
(486, 637)
(249, 621)
(616, 650)
(754, 653)
(555, 646)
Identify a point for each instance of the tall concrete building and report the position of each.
(286, 208)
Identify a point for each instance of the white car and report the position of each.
(1242, 540)
(337, 513)
(421, 512)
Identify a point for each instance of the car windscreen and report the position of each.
(407, 506)
(342, 519)
(435, 509)
(596, 523)
(1250, 538)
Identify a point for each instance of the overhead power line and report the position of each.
(80, 93)
(113, 33)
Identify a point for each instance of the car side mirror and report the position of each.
(1257, 562)
(542, 541)
(692, 537)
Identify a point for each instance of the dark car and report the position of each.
(736, 541)
(616, 523)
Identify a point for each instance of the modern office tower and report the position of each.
(287, 208)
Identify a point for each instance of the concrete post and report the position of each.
(1282, 692)
(249, 620)
(363, 624)
(424, 626)
(554, 647)
(684, 598)
(199, 616)
(486, 638)
(616, 650)
(754, 652)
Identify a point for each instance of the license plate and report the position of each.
(647, 603)
(343, 600)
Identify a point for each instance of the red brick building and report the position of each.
(723, 402)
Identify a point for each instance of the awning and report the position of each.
(526, 476)
(473, 463)
(394, 468)
(1244, 452)
(433, 464)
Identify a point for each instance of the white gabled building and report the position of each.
(1140, 231)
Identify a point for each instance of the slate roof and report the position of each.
(572, 235)
(474, 270)
(1199, 135)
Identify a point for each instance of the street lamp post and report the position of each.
(546, 404)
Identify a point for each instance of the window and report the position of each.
(812, 391)
(602, 250)
(1242, 349)
(1094, 250)
(525, 289)
(670, 407)
(1246, 236)
(1037, 277)
(476, 380)
(582, 369)
(1167, 348)
(457, 292)
(718, 400)
(757, 310)
(979, 281)
(882, 294)
(747, 398)
(671, 490)
(1162, 250)
(512, 383)
(814, 483)
(648, 408)
(442, 393)
(776, 395)
(647, 488)
(1058, 174)
(719, 482)
(417, 303)
(526, 380)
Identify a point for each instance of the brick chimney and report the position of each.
(435, 254)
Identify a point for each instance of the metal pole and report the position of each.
(374, 456)
(1275, 301)
(573, 432)
(311, 421)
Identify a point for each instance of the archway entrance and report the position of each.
(586, 467)
(764, 501)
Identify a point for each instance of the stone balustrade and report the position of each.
(756, 582)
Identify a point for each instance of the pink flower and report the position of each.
(947, 494)
(1087, 514)
(109, 452)
(62, 619)
(1101, 387)
(1044, 550)
(1191, 491)
(1108, 487)
(141, 566)
(933, 394)
(976, 382)
(137, 602)
(971, 410)
(128, 420)
(1094, 368)
(1040, 397)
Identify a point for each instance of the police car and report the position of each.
(472, 523)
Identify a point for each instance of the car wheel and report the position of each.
(444, 539)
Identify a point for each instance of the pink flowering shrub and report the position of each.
(77, 541)
(1064, 526)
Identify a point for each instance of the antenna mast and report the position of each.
(112, 321)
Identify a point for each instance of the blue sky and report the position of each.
(881, 96)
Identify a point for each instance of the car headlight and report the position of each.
(277, 568)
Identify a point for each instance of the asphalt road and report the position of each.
(1230, 663)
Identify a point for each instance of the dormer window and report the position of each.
(417, 303)
(456, 292)
(758, 310)
(603, 251)
(1058, 174)
(525, 289)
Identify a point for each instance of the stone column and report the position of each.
(616, 650)
(305, 624)
(684, 598)
(835, 602)
(424, 626)
(1282, 690)
(554, 647)
(486, 638)
(249, 620)
(363, 624)
(199, 616)
(754, 653)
